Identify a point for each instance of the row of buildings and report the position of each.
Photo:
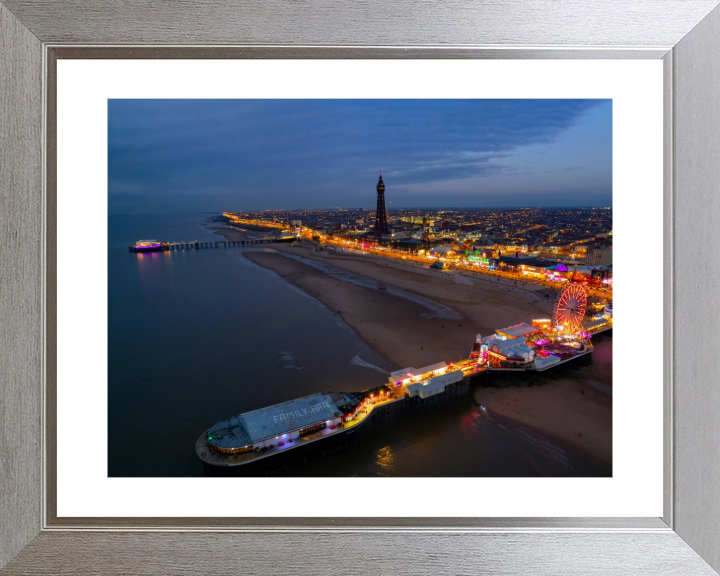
(582, 236)
(532, 266)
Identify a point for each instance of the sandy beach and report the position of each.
(404, 332)
(565, 406)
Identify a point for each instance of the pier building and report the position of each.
(427, 381)
(149, 246)
(279, 424)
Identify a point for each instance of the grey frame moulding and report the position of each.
(684, 33)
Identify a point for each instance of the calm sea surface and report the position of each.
(196, 336)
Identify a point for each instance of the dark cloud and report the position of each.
(246, 154)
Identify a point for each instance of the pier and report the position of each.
(373, 409)
(531, 349)
(274, 458)
(279, 430)
(213, 458)
(195, 245)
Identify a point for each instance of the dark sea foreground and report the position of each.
(197, 336)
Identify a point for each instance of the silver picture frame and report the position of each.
(684, 34)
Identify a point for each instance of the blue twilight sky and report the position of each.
(207, 155)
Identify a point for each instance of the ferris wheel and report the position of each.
(569, 309)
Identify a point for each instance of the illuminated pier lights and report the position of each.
(569, 309)
(546, 342)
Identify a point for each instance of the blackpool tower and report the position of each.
(381, 223)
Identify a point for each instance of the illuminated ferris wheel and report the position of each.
(570, 308)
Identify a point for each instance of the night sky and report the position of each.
(210, 155)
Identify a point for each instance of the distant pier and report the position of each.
(166, 246)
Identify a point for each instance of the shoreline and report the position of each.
(567, 408)
(367, 312)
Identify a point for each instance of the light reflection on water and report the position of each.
(386, 461)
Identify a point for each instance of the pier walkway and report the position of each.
(196, 245)
(217, 244)
(362, 415)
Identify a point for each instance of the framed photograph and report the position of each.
(278, 284)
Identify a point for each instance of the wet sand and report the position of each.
(565, 407)
(404, 332)
(395, 327)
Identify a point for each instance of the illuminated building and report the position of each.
(427, 381)
(149, 246)
(268, 427)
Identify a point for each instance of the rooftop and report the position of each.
(518, 330)
(244, 429)
(410, 371)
